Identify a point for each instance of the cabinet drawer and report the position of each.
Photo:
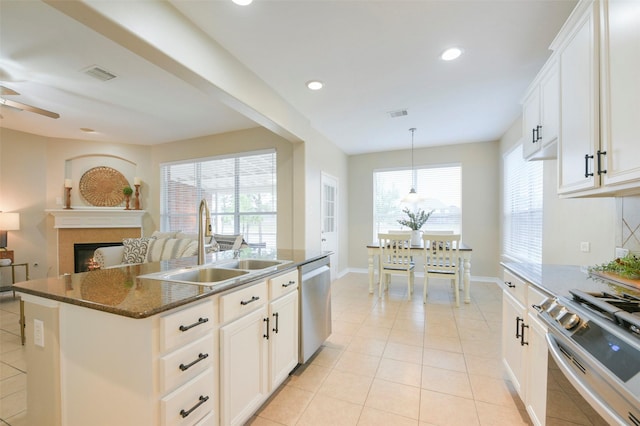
(188, 324)
(240, 302)
(515, 287)
(534, 297)
(189, 403)
(283, 284)
(208, 420)
(187, 362)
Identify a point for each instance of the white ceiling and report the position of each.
(373, 56)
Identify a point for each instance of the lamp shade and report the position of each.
(9, 221)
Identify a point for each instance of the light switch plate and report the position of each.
(585, 247)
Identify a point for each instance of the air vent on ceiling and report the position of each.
(398, 113)
(99, 73)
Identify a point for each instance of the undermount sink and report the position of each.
(204, 276)
(252, 264)
(215, 274)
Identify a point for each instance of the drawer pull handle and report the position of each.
(276, 329)
(201, 400)
(292, 282)
(187, 327)
(522, 327)
(201, 356)
(246, 302)
(267, 321)
(510, 284)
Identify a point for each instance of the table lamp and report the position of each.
(8, 222)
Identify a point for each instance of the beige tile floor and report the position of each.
(388, 362)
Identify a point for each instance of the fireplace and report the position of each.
(92, 225)
(83, 253)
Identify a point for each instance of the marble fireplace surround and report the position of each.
(92, 226)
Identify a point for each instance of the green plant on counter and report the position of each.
(127, 190)
(627, 267)
(416, 220)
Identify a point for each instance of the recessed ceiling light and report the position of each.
(315, 84)
(242, 2)
(451, 54)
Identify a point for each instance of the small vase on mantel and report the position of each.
(416, 237)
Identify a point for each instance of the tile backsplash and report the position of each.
(628, 223)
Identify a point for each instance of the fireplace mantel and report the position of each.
(102, 217)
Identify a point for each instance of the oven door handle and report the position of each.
(583, 388)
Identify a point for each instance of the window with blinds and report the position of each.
(438, 186)
(522, 215)
(240, 191)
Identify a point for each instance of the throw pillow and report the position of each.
(190, 249)
(158, 234)
(135, 249)
(167, 248)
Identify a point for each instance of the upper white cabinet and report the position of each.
(541, 114)
(599, 61)
(620, 90)
(579, 94)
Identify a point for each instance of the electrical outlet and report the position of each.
(38, 333)
(585, 247)
(621, 252)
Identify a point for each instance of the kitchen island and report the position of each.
(113, 346)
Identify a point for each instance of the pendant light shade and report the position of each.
(412, 197)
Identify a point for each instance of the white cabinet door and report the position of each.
(547, 133)
(541, 115)
(513, 315)
(536, 382)
(530, 123)
(579, 138)
(283, 338)
(243, 366)
(620, 88)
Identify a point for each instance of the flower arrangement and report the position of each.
(627, 267)
(416, 219)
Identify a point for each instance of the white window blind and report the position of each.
(440, 186)
(240, 191)
(522, 221)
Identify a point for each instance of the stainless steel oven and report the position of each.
(594, 340)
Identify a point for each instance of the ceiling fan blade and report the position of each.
(25, 107)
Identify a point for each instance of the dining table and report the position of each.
(464, 252)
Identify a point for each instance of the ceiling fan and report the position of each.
(5, 91)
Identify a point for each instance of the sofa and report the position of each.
(161, 246)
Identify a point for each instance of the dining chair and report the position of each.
(395, 259)
(441, 261)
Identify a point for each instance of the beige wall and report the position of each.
(568, 222)
(480, 198)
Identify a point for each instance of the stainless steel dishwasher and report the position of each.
(315, 306)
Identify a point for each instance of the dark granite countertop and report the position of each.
(559, 279)
(120, 291)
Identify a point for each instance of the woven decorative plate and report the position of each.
(105, 286)
(102, 186)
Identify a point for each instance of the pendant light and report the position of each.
(412, 197)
